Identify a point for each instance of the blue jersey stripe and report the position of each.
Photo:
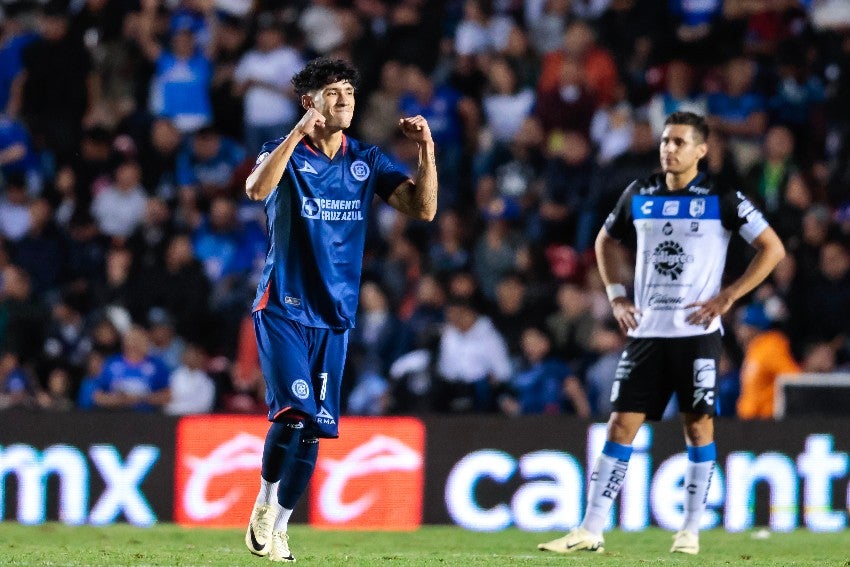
(688, 207)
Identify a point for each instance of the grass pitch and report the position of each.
(169, 545)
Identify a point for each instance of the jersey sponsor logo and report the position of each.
(667, 229)
(670, 208)
(669, 259)
(324, 417)
(261, 157)
(293, 301)
(301, 389)
(370, 480)
(307, 168)
(705, 373)
(745, 207)
(700, 190)
(331, 209)
(646, 208)
(359, 170)
(694, 226)
(663, 302)
(697, 207)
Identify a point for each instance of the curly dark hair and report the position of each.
(324, 71)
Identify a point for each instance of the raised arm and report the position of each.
(418, 198)
(268, 173)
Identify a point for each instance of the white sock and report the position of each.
(268, 492)
(605, 484)
(282, 521)
(697, 481)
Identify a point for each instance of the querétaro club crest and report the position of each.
(669, 259)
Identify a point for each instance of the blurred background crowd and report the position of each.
(129, 254)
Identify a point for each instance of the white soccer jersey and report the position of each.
(680, 240)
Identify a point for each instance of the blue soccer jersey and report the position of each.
(316, 220)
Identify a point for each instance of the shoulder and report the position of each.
(645, 185)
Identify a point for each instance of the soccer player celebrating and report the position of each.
(679, 222)
(317, 185)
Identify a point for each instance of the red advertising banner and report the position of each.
(370, 478)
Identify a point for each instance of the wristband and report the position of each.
(615, 290)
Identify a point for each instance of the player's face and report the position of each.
(336, 103)
(680, 151)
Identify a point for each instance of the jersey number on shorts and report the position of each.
(323, 376)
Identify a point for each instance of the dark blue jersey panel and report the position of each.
(317, 230)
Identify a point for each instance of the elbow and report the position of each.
(428, 215)
(252, 192)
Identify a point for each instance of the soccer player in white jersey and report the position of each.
(678, 223)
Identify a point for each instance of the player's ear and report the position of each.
(702, 149)
(307, 101)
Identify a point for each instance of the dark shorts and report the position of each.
(651, 370)
(302, 367)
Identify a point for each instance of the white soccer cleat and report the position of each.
(258, 538)
(685, 542)
(578, 539)
(279, 549)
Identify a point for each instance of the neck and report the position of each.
(677, 181)
(327, 142)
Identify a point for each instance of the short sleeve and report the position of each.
(267, 148)
(389, 175)
(739, 214)
(619, 223)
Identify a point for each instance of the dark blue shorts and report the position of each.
(302, 367)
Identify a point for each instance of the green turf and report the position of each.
(169, 545)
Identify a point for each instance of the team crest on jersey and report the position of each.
(310, 208)
(301, 389)
(697, 207)
(669, 259)
(359, 170)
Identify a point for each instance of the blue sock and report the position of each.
(280, 447)
(294, 481)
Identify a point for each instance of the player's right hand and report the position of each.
(625, 313)
(308, 123)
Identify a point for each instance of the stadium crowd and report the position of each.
(129, 254)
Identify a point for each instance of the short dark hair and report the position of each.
(324, 71)
(691, 119)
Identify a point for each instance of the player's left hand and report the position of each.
(416, 128)
(709, 309)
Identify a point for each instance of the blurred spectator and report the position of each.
(159, 159)
(22, 318)
(512, 313)
(377, 123)
(228, 45)
(120, 207)
(17, 155)
(370, 395)
(106, 341)
(767, 178)
(566, 105)
(165, 343)
(94, 166)
(679, 95)
(379, 337)
(151, 237)
(56, 87)
(14, 210)
(571, 326)
(728, 386)
(481, 30)
(595, 70)
(180, 85)
(495, 252)
(57, 397)
(89, 383)
(208, 164)
(546, 21)
(14, 37)
(68, 343)
(611, 131)
(567, 206)
(767, 354)
(192, 390)
(321, 25)
(428, 313)
(506, 103)
(413, 375)
(826, 302)
(607, 342)
(449, 252)
(545, 384)
(819, 357)
(473, 363)
(133, 379)
(41, 250)
(17, 388)
(738, 111)
(263, 77)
